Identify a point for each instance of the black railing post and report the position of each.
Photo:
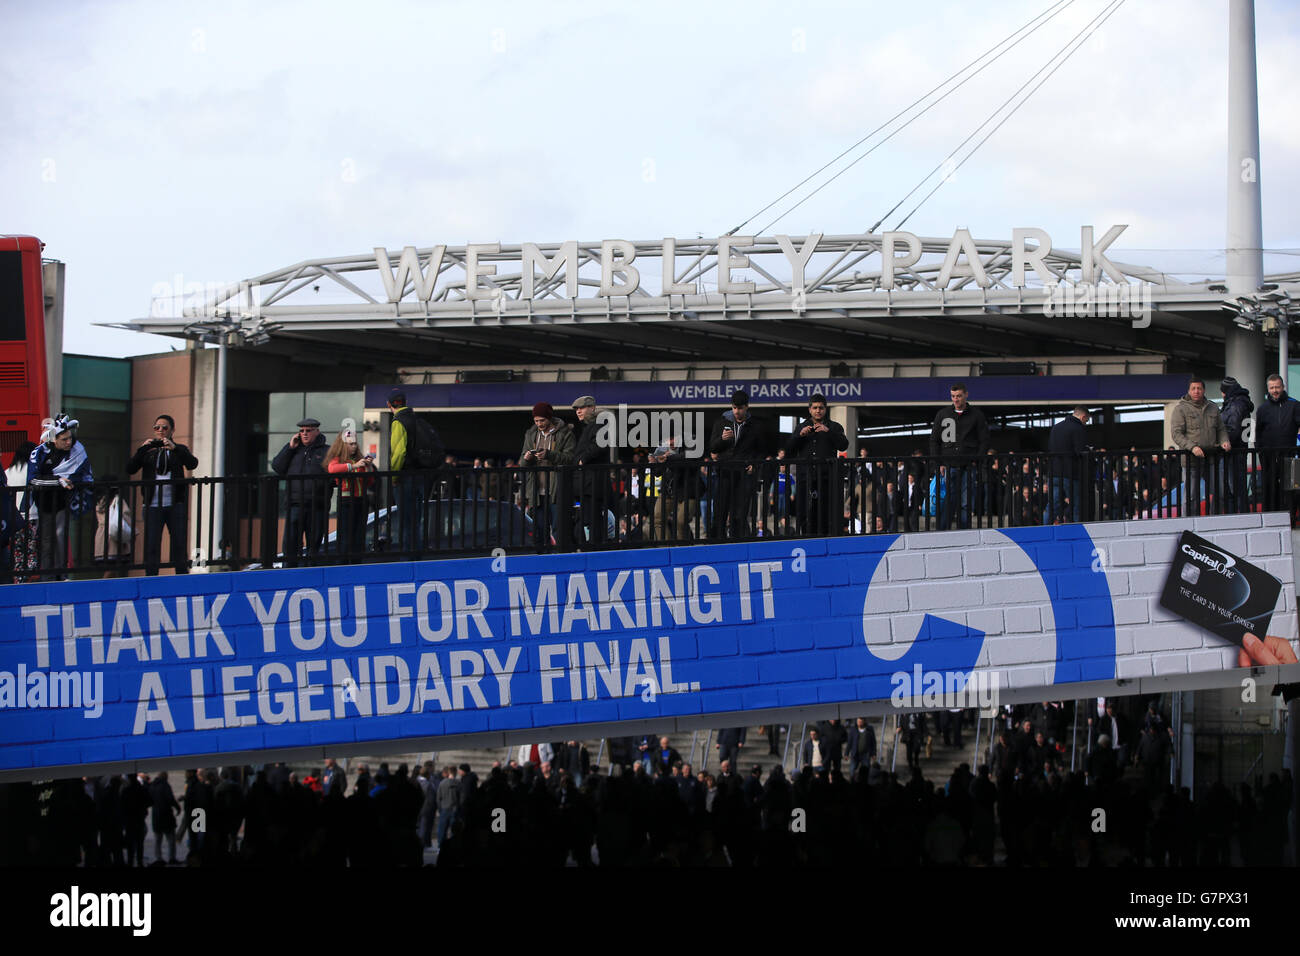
(562, 506)
(269, 492)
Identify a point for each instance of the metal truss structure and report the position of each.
(490, 303)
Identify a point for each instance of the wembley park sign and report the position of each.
(542, 269)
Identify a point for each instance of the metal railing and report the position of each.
(271, 521)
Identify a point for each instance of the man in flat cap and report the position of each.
(594, 489)
(307, 497)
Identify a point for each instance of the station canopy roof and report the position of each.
(773, 299)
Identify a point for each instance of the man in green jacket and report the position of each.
(1197, 426)
(410, 482)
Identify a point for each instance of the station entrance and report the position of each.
(886, 407)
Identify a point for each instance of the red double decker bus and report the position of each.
(29, 334)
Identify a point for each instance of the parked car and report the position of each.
(460, 524)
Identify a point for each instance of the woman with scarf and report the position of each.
(344, 459)
(57, 467)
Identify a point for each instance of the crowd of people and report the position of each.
(550, 805)
(746, 481)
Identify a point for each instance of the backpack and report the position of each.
(424, 449)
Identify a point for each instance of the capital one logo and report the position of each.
(1212, 558)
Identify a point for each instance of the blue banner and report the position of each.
(143, 669)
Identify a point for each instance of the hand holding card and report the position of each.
(1270, 650)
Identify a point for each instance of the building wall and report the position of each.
(98, 395)
(163, 384)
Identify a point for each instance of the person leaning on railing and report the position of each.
(960, 434)
(816, 443)
(307, 496)
(356, 479)
(1196, 426)
(548, 443)
(1067, 444)
(59, 478)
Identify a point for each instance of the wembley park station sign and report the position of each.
(543, 268)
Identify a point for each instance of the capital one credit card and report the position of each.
(1219, 591)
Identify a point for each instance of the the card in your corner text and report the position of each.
(1219, 591)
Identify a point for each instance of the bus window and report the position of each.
(13, 328)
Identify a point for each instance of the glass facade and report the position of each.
(286, 409)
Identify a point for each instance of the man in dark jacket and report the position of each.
(1042, 756)
(197, 809)
(817, 750)
(1276, 425)
(448, 803)
(1113, 725)
(575, 761)
(163, 463)
(1235, 412)
(690, 792)
(817, 441)
(663, 758)
(307, 500)
(730, 740)
(136, 801)
(594, 490)
(1103, 768)
(1066, 446)
(833, 737)
(738, 439)
(960, 435)
(164, 822)
(861, 745)
(1021, 743)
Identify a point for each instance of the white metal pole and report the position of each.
(1282, 349)
(1243, 349)
(218, 454)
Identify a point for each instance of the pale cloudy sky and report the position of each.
(146, 141)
